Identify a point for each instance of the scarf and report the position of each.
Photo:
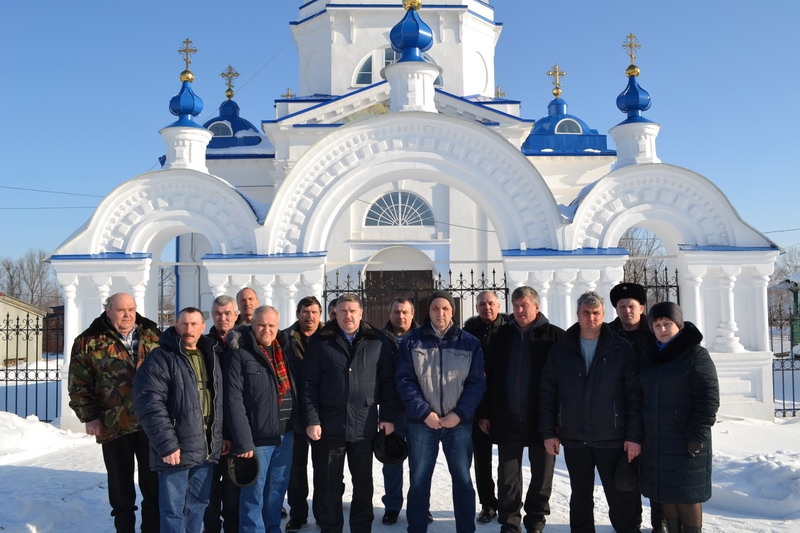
(279, 366)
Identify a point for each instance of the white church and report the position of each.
(397, 155)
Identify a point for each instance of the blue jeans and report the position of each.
(423, 449)
(183, 497)
(393, 475)
(260, 504)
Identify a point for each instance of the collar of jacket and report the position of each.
(686, 339)
(101, 324)
(331, 330)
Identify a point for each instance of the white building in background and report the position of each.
(397, 156)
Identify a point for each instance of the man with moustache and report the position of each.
(348, 372)
(178, 397)
(103, 363)
(308, 314)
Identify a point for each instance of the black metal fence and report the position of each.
(31, 355)
(377, 289)
(661, 286)
(785, 363)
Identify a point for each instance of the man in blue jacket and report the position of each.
(178, 400)
(591, 403)
(348, 372)
(440, 382)
(260, 400)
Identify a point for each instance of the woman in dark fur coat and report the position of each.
(679, 405)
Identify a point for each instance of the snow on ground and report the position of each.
(54, 481)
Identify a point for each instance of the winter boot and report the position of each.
(692, 529)
(659, 526)
(673, 525)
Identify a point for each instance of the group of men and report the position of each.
(246, 390)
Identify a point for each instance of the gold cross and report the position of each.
(556, 74)
(229, 74)
(499, 92)
(288, 94)
(187, 51)
(632, 45)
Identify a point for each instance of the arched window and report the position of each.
(221, 129)
(367, 75)
(568, 126)
(399, 209)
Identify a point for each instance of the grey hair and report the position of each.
(223, 300)
(591, 299)
(525, 292)
(261, 309)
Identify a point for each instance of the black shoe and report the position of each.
(430, 518)
(284, 514)
(390, 517)
(486, 515)
(294, 524)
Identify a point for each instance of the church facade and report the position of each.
(397, 155)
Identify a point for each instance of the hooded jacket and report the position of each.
(101, 375)
(680, 402)
(343, 384)
(440, 375)
(169, 407)
(600, 406)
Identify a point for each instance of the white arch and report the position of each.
(681, 206)
(461, 154)
(145, 212)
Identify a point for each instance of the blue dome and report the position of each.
(186, 104)
(633, 100)
(411, 36)
(560, 133)
(230, 129)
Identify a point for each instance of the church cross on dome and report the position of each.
(186, 52)
(556, 74)
(632, 45)
(229, 74)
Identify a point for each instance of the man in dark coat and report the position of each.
(591, 403)
(260, 400)
(224, 499)
(484, 326)
(509, 413)
(629, 300)
(178, 397)
(308, 314)
(348, 372)
(103, 362)
(401, 321)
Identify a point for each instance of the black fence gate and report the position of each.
(31, 355)
(377, 289)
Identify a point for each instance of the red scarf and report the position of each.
(279, 366)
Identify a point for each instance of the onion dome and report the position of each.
(633, 100)
(411, 36)
(186, 104)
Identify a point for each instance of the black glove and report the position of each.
(693, 447)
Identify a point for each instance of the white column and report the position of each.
(726, 339)
(67, 418)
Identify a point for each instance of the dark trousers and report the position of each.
(121, 456)
(328, 456)
(297, 494)
(482, 458)
(581, 463)
(222, 513)
(509, 486)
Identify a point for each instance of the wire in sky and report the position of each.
(52, 192)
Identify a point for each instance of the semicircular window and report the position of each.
(399, 209)
(221, 129)
(568, 126)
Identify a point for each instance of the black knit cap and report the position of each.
(442, 294)
(668, 310)
(628, 290)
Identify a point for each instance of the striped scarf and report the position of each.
(279, 366)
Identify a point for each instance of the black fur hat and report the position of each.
(628, 290)
(389, 449)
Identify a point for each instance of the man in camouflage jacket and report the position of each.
(104, 360)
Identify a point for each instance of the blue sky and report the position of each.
(86, 87)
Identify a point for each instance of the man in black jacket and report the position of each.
(591, 403)
(348, 371)
(484, 326)
(179, 403)
(260, 398)
(509, 413)
(308, 314)
(629, 300)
